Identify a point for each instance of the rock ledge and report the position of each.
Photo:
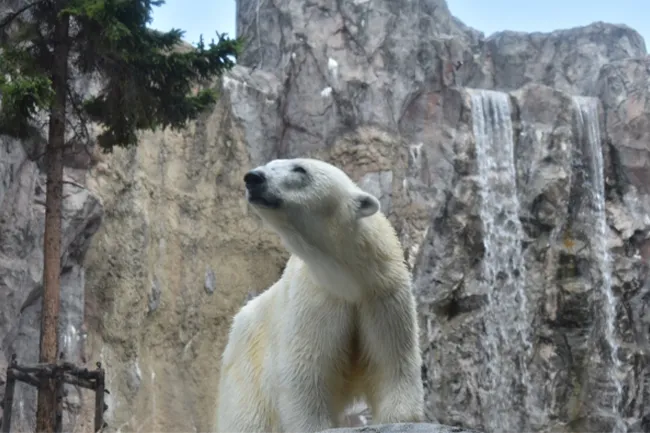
(403, 428)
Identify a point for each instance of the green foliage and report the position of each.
(23, 96)
(149, 78)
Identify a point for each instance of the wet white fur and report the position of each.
(339, 325)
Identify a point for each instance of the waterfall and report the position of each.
(589, 134)
(506, 319)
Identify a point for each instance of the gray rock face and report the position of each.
(568, 60)
(524, 216)
(347, 64)
(522, 289)
(624, 89)
(403, 428)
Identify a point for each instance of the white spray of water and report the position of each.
(589, 130)
(507, 326)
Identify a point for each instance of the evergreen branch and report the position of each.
(77, 107)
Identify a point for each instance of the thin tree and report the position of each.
(146, 83)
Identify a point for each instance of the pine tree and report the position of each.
(147, 83)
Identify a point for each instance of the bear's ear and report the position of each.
(366, 205)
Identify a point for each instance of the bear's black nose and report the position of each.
(254, 178)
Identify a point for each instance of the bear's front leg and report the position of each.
(303, 401)
(312, 346)
(389, 333)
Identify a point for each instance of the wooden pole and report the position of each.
(58, 417)
(46, 404)
(99, 399)
(8, 400)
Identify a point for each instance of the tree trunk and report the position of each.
(45, 412)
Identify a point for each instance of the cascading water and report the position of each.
(506, 340)
(589, 134)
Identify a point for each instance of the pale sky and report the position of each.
(488, 16)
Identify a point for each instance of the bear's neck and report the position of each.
(365, 261)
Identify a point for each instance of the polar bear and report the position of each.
(339, 325)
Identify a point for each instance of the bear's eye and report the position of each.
(299, 169)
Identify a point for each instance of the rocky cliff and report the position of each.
(523, 209)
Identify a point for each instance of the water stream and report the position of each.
(504, 395)
(589, 134)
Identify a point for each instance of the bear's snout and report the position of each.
(254, 178)
(257, 190)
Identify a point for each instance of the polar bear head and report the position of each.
(308, 199)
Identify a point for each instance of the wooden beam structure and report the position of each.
(62, 373)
